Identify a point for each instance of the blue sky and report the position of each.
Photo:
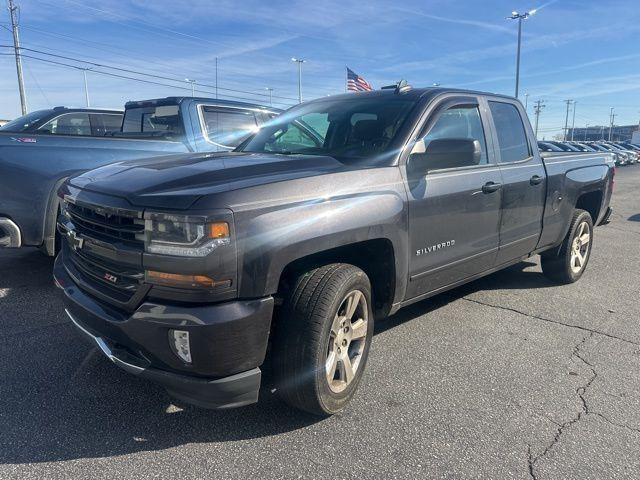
(580, 49)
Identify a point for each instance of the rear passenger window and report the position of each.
(228, 128)
(512, 138)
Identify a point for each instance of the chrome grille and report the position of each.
(107, 225)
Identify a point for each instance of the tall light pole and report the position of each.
(519, 16)
(526, 101)
(566, 120)
(573, 122)
(86, 86)
(193, 86)
(586, 127)
(299, 61)
(270, 90)
(13, 13)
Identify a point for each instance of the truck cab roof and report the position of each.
(217, 101)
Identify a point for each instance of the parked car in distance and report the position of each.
(632, 155)
(625, 158)
(193, 271)
(86, 122)
(583, 147)
(629, 146)
(620, 159)
(564, 146)
(548, 147)
(37, 154)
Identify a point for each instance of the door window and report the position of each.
(463, 123)
(512, 137)
(228, 128)
(68, 124)
(102, 124)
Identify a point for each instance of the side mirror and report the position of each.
(444, 153)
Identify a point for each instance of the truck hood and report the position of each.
(177, 181)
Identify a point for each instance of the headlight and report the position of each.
(184, 236)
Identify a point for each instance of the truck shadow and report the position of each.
(63, 400)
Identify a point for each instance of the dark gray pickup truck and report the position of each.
(196, 271)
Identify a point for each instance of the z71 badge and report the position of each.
(433, 248)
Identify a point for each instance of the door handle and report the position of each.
(536, 180)
(491, 187)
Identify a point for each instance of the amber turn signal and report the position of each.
(219, 230)
(183, 281)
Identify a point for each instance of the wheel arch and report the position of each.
(376, 257)
(50, 219)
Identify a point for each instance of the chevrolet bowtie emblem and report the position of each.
(75, 240)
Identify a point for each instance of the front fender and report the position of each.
(270, 240)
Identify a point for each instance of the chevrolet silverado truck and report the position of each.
(199, 271)
(42, 149)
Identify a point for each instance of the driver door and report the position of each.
(454, 201)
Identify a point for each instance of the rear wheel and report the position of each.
(568, 264)
(323, 337)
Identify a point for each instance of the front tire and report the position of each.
(569, 263)
(323, 337)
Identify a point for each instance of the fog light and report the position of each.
(179, 341)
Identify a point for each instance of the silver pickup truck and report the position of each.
(33, 164)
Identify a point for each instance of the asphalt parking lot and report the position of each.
(508, 377)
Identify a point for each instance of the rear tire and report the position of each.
(567, 264)
(322, 338)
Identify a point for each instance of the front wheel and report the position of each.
(568, 264)
(323, 337)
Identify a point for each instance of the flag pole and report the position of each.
(346, 78)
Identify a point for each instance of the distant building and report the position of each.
(2, 122)
(601, 132)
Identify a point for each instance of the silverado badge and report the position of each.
(433, 248)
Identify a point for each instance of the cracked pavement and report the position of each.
(507, 377)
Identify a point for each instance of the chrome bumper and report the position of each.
(9, 234)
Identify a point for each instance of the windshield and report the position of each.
(343, 129)
(24, 123)
(154, 120)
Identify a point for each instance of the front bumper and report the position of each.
(228, 343)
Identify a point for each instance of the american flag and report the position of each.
(355, 83)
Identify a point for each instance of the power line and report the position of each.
(62, 64)
(135, 72)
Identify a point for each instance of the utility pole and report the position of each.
(612, 117)
(216, 77)
(519, 16)
(537, 108)
(13, 13)
(566, 120)
(299, 61)
(573, 122)
(86, 86)
(270, 90)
